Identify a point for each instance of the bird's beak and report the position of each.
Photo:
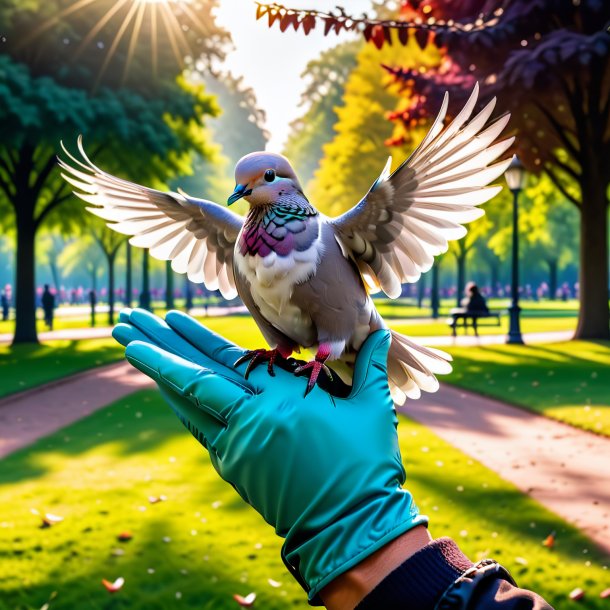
(239, 192)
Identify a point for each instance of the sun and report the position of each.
(165, 20)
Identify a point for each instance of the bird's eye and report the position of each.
(269, 175)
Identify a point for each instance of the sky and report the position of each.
(272, 62)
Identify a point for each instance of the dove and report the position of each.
(307, 279)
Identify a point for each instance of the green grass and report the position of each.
(26, 366)
(407, 307)
(441, 329)
(99, 472)
(566, 381)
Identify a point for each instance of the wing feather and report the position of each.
(412, 213)
(197, 235)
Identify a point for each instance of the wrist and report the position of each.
(351, 587)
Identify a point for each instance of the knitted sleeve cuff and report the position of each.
(421, 580)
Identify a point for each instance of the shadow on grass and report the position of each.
(190, 572)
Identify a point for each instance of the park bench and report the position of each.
(455, 316)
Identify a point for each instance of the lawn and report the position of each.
(566, 381)
(203, 544)
(27, 366)
(439, 328)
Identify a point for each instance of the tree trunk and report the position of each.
(110, 259)
(128, 282)
(552, 278)
(421, 290)
(594, 314)
(461, 276)
(54, 275)
(494, 269)
(145, 301)
(169, 285)
(25, 281)
(434, 293)
(188, 293)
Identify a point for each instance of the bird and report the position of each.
(308, 279)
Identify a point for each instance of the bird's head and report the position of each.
(263, 178)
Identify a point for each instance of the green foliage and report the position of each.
(326, 77)
(357, 154)
(236, 131)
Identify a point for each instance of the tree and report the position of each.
(549, 64)
(236, 131)
(326, 77)
(145, 122)
(358, 152)
(109, 243)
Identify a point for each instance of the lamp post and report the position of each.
(515, 178)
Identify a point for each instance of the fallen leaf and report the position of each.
(274, 583)
(522, 561)
(247, 601)
(549, 541)
(124, 536)
(113, 587)
(48, 519)
(155, 499)
(605, 593)
(577, 594)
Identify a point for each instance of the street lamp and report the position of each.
(515, 178)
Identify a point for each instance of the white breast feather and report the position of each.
(272, 279)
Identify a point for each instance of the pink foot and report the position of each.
(257, 356)
(315, 367)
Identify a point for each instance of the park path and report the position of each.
(563, 468)
(75, 334)
(30, 415)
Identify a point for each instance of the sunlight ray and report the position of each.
(194, 18)
(98, 26)
(153, 39)
(181, 38)
(49, 23)
(134, 38)
(115, 44)
(172, 40)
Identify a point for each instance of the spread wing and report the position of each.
(407, 217)
(198, 236)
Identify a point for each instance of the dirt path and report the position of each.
(32, 414)
(565, 469)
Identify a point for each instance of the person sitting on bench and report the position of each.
(474, 306)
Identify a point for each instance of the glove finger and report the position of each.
(124, 314)
(214, 393)
(213, 345)
(203, 426)
(164, 336)
(371, 366)
(124, 333)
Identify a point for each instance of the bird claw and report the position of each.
(316, 367)
(256, 357)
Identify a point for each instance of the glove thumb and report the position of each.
(371, 367)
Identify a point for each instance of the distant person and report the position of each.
(48, 306)
(473, 306)
(92, 303)
(475, 301)
(5, 306)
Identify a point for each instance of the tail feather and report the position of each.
(413, 368)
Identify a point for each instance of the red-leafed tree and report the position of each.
(548, 63)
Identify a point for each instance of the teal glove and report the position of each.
(326, 472)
